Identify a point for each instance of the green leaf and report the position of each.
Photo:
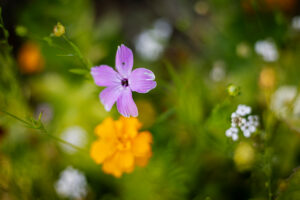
(5, 32)
(290, 188)
(40, 116)
(174, 75)
(84, 60)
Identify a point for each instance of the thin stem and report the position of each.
(84, 60)
(64, 142)
(43, 129)
(15, 117)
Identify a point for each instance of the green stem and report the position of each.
(269, 130)
(15, 117)
(64, 142)
(43, 129)
(84, 60)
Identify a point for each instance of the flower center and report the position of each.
(123, 144)
(124, 82)
(236, 120)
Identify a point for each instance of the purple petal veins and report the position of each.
(105, 76)
(109, 96)
(142, 80)
(126, 105)
(124, 61)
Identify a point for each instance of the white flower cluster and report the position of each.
(296, 23)
(242, 119)
(75, 135)
(71, 184)
(151, 43)
(218, 71)
(285, 102)
(267, 49)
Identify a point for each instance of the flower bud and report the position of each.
(233, 90)
(59, 30)
(21, 31)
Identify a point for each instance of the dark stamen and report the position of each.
(123, 63)
(124, 82)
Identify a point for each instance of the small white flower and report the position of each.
(151, 43)
(267, 50)
(237, 120)
(71, 184)
(233, 124)
(233, 115)
(282, 100)
(242, 122)
(74, 135)
(228, 133)
(218, 71)
(235, 137)
(248, 129)
(243, 110)
(297, 107)
(247, 133)
(253, 120)
(241, 119)
(231, 131)
(296, 23)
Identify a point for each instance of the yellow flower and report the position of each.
(120, 146)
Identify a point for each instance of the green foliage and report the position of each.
(290, 187)
(204, 70)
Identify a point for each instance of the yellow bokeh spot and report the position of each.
(267, 78)
(244, 156)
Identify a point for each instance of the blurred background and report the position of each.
(208, 58)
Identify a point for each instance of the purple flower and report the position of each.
(119, 85)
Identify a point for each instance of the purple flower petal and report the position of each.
(126, 105)
(142, 80)
(109, 96)
(104, 75)
(124, 61)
